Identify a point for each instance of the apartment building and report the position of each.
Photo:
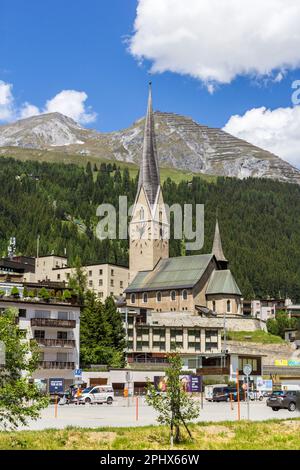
(104, 279)
(152, 335)
(55, 327)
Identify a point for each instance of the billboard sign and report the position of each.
(190, 383)
(56, 385)
(264, 385)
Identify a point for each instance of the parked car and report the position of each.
(256, 395)
(288, 400)
(98, 394)
(227, 393)
(210, 389)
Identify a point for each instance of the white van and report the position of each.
(98, 394)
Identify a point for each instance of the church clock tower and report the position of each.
(149, 226)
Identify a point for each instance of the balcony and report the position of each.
(53, 323)
(56, 343)
(56, 365)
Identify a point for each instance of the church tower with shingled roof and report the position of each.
(149, 226)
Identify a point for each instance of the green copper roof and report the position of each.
(172, 273)
(223, 282)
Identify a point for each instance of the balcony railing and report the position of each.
(56, 343)
(56, 365)
(54, 323)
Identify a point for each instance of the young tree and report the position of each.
(277, 326)
(78, 282)
(175, 407)
(20, 400)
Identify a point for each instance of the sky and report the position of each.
(225, 63)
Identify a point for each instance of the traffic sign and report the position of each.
(247, 369)
(77, 372)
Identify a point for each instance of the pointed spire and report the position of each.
(149, 171)
(217, 247)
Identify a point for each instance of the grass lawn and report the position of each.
(258, 336)
(268, 435)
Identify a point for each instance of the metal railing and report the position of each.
(54, 323)
(64, 343)
(56, 365)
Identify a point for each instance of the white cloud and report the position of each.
(276, 131)
(28, 110)
(71, 103)
(6, 101)
(217, 40)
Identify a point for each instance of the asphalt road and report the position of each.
(123, 413)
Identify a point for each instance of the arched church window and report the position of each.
(145, 298)
(158, 297)
(228, 306)
(132, 298)
(184, 294)
(142, 213)
(214, 305)
(173, 295)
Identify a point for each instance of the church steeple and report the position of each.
(149, 170)
(218, 249)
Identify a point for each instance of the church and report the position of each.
(172, 304)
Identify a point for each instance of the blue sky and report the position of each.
(49, 46)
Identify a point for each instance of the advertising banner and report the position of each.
(56, 385)
(190, 383)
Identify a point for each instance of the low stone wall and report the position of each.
(244, 324)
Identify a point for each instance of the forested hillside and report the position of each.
(259, 219)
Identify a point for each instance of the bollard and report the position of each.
(55, 406)
(238, 394)
(137, 408)
(231, 402)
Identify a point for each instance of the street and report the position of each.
(124, 413)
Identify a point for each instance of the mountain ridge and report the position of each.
(182, 144)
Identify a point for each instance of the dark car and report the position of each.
(227, 394)
(287, 400)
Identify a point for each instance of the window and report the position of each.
(132, 298)
(22, 312)
(145, 298)
(158, 297)
(184, 295)
(248, 360)
(63, 316)
(214, 305)
(111, 283)
(62, 335)
(100, 295)
(90, 283)
(39, 334)
(62, 357)
(58, 277)
(90, 273)
(42, 314)
(68, 275)
(228, 306)
(142, 214)
(100, 282)
(112, 272)
(100, 272)
(121, 284)
(173, 295)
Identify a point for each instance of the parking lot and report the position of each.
(123, 412)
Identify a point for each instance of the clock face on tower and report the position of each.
(137, 231)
